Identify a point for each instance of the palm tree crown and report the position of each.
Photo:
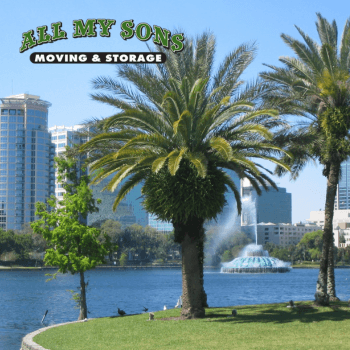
(318, 82)
(180, 114)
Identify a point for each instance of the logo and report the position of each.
(143, 32)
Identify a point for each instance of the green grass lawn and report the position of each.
(272, 326)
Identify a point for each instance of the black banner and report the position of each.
(97, 57)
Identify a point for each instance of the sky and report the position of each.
(68, 86)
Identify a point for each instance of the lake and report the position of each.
(25, 296)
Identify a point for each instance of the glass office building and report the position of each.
(62, 136)
(271, 206)
(130, 210)
(159, 225)
(342, 199)
(25, 159)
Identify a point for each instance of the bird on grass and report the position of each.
(145, 309)
(121, 312)
(164, 308)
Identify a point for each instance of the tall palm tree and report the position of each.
(316, 85)
(179, 127)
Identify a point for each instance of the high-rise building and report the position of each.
(271, 206)
(25, 159)
(159, 225)
(62, 136)
(342, 198)
(129, 211)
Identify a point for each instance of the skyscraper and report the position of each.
(62, 136)
(271, 206)
(342, 198)
(25, 159)
(129, 211)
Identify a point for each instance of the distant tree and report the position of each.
(39, 244)
(113, 230)
(7, 241)
(281, 253)
(343, 255)
(342, 238)
(269, 246)
(227, 256)
(23, 245)
(315, 253)
(19, 245)
(123, 259)
(74, 246)
(312, 240)
(233, 242)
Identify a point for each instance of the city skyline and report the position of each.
(68, 86)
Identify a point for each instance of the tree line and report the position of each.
(135, 243)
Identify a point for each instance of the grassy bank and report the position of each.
(19, 268)
(272, 326)
(307, 265)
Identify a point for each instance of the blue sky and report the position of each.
(233, 22)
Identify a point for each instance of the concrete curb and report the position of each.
(29, 344)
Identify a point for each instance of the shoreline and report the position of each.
(146, 267)
(97, 267)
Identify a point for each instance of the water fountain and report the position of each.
(253, 259)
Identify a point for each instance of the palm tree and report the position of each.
(179, 128)
(316, 85)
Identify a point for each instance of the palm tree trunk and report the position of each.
(330, 275)
(191, 280)
(321, 295)
(190, 235)
(83, 306)
(200, 246)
